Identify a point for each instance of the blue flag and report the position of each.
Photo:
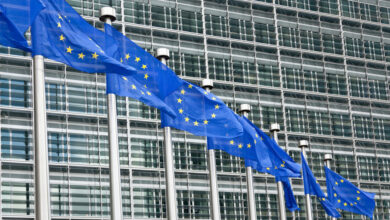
(151, 73)
(243, 146)
(60, 33)
(200, 113)
(271, 158)
(313, 188)
(127, 86)
(346, 196)
(16, 16)
(291, 202)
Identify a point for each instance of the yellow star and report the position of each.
(179, 100)
(183, 91)
(59, 16)
(127, 56)
(336, 183)
(205, 122)
(62, 38)
(145, 86)
(205, 92)
(256, 135)
(187, 119)
(190, 86)
(355, 203)
(59, 24)
(142, 93)
(213, 98)
(342, 181)
(95, 55)
(137, 59)
(148, 93)
(181, 111)
(231, 142)
(133, 86)
(248, 145)
(196, 123)
(358, 192)
(268, 168)
(69, 50)
(216, 106)
(276, 167)
(143, 66)
(345, 204)
(255, 141)
(323, 199)
(146, 76)
(338, 201)
(358, 198)
(351, 204)
(81, 56)
(213, 115)
(282, 165)
(124, 78)
(240, 146)
(121, 60)
(335, 195)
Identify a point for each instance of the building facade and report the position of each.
(318, 68)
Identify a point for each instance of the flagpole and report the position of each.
(309, 214)
(207, 84)
(282, 207)
(107, 15)
(327, 159)
(245, 109)
(41, 160)
(170, 192)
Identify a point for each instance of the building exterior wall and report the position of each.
(318, 68)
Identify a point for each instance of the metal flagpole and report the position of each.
(282, 207)
(208, 84)
(107, 15)
(170, 192)
(309, 213)
(327, 159)
(245, 109)
(41, 162)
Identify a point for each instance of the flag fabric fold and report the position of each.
(312, 187)
(200, 113)
(346, 196)
(291, 202)
(16, 17)
(61, 34)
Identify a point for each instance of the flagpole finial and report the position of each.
(328, 157)
(244, 108)
(303, 143)
(274, 127)
(162, 53)
(107, 12)
(207, 84)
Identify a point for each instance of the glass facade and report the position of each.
(318, 68)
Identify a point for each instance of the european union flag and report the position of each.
(291, 202)
(127, 86)
(200, 112)
(346, 196)
(243, 146)
(313, 188)
(60, 33)
(151, 73)
(271, 158)
(16, 16)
